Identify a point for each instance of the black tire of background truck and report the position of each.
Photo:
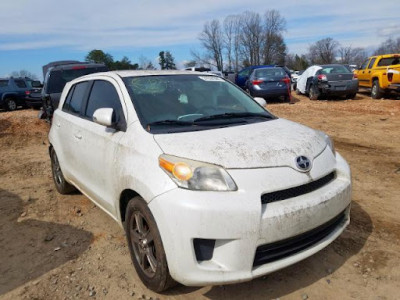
(376, 91)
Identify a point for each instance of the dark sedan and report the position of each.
(323, 80)
(269, 83)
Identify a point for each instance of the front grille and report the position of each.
(298, 190)
(281, 249)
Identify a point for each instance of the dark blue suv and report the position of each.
(14, 90)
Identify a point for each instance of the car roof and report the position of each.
(137, 73)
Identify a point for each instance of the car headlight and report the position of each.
(194, 175)
(328, 141)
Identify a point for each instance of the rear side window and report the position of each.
(77, 97)
(104, 95)
(3, 83)
(20, 83)
(384, 62)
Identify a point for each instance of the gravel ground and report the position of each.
(64, 247)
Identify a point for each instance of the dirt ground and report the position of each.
(64, 247)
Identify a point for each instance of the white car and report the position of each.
(210, 187)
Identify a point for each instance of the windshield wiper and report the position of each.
(170, 122)
(234, 115)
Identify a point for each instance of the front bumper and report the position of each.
(239, 223)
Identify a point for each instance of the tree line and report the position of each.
(166, 61)
(252, 38)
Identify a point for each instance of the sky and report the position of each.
(35, 32)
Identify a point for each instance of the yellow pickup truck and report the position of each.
(381, 74)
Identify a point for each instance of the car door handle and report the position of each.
(369, 71)
(58, 125)
(78, 136)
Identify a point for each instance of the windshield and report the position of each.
(191, 102)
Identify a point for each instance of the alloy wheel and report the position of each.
(143, 244)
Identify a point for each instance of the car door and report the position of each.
(67, 131)
(364, 77)
(97, 144)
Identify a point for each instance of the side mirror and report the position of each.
(104, 116)
(260, 101)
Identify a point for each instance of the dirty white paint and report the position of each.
(259, 157)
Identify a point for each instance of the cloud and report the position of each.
(84, 25)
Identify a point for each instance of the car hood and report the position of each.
(260, 145)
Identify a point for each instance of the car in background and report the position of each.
(381, 74)
(33, 99)
(14, 90)
(210, 187)
(56, 75)
(205, 70)
(324, 80)
(244, 74)
(269, 83)
(295, 75)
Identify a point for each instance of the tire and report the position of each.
(376, 91)
(298, 91)
(10, 104)
(313, 93)
(145, 246)
(62, 186)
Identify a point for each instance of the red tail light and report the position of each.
(257, 81)
(355, 76)
(27, 93)
(322, 77)
(390, 76)
(286, 80)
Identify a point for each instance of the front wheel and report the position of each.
(145, 246)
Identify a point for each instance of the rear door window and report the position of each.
(3, 83)
(78, 97)
(104, 95)
(20, 83)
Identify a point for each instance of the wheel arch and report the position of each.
(124, 198)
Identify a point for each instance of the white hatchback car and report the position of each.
(210, 187)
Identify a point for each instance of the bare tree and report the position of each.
(350, 55)
(389, 46)
(251, 37)
(323, 51)
(212, 40)
(274, 50)
(229, 39)
(24, 73)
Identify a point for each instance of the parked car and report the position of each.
(209, 186)
(381, 74)
(322, 80)
(33, 98)
(244, 74)
(56, 75)
(295, 75)
(13, 91)
(269, 83)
